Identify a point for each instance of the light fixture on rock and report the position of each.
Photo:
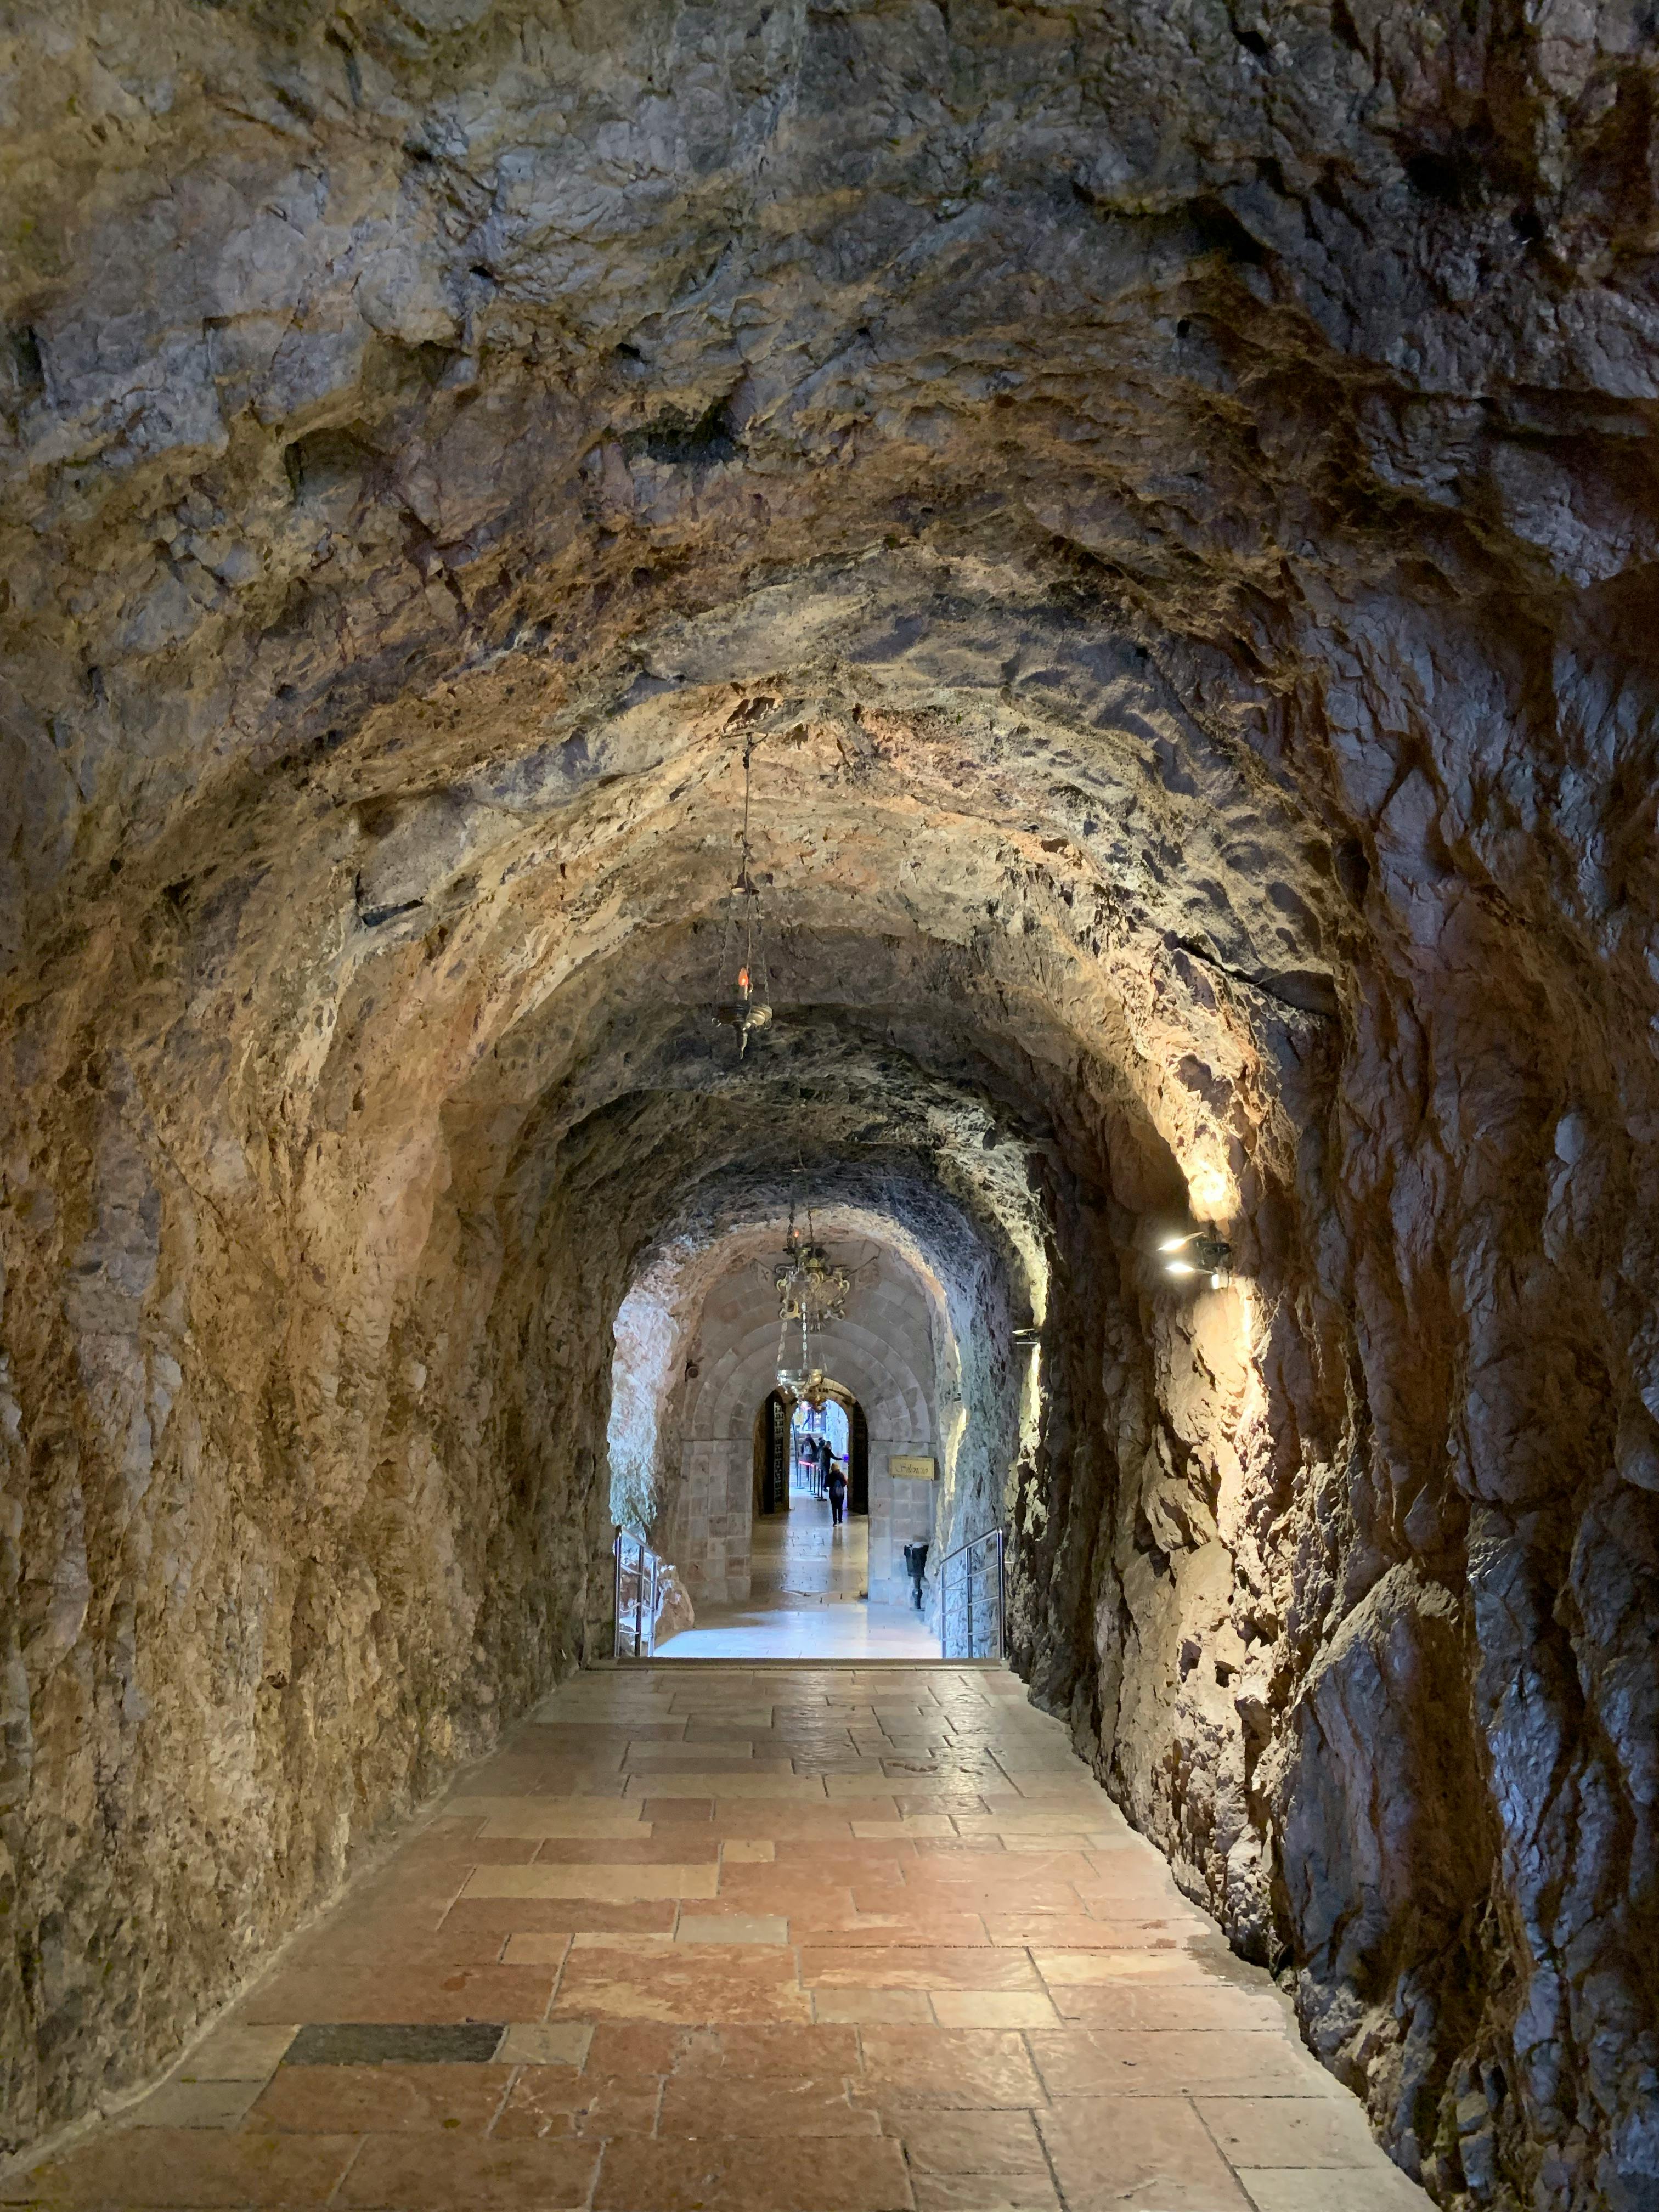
(1199, 1252)
(743, 969)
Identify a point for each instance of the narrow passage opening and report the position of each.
(809, 1594)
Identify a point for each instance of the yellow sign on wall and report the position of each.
(912, 1470)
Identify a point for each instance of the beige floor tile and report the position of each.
(1381, 2188)
(748, 2050)
(665, 1843)
(731, 1928)
(1156, 2007)
(1150, 2152)
(505, 1917)
(903, 2006)
(693, 1983)
(1080, 1796)
(787, 1889)
(884, 1967)
(615, 1884)
(970, 2142)
(236, 2054)
(1327, 2132)
(729, 1783)
(992, 2009)
(730, 2103)
(1077, 2062)
(748, 1851)
(549, 2104)
(135, 2169)
(184, 2104)
(1039, 1821)
(401, 1994)
(385, 2100)
(572, 1816)
(972, 1886)
(532, 1948)
(1181, 1966)
(753, 2174)
(699, 1712)
(545, 2043)
(823, 1823)
(646, 1940)
(829, 1928)
(985, 2192)
(973, 2070)
(439, 2173)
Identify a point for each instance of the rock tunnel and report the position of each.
(1156, 507)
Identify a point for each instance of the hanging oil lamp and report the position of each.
(811, 1291)
(744, 945)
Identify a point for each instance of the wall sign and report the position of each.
(912, 1470)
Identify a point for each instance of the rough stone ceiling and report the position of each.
(1165, 494)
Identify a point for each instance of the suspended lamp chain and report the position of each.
(752, 1009)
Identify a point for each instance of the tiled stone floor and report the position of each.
(802, 1556)
(808, 1939)
(806, 1575)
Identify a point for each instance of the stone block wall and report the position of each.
(709, 1540)
(901, 1511)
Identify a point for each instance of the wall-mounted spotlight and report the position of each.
(1199, 1253)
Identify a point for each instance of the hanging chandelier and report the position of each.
(743, 969)
(811, 1291)
(809, 1286)
(798, 1377)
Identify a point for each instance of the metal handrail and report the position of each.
(994, 1650)
(637, 1636)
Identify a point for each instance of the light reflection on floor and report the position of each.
(806, 1575)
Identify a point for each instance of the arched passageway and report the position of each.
(1117, 545)
(882, 1352)
(891, 1357)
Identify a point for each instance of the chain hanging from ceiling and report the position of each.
(743, 967)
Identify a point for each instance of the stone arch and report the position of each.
(884, 1351)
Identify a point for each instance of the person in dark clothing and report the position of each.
(837, 1486)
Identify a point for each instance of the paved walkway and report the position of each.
(806, 1578)
(791, 1939)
